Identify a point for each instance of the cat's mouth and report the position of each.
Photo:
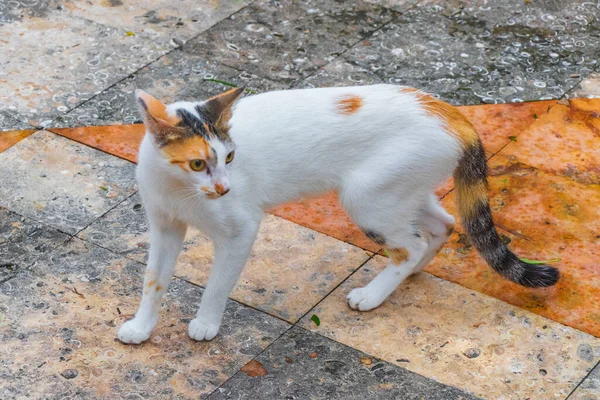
(213, 195)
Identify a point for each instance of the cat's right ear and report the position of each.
(156, 118)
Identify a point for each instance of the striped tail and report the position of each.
(470, 179)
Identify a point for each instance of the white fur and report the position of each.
(385, 160)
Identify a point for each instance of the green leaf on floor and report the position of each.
(535, 116)
(526, 261)
(228, 84)
(315, 319)
(103, 188)
(512, 138)
(129, 33)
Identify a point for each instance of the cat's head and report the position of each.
(193, 138)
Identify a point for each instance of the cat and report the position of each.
(218, 164)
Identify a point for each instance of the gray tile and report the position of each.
(287, 40)
(178, 76)
(589, 87)
(62, 183)
(479, 57)
(8, 123)
(23, 242)
(339, 73)
(302, 365)
(50, 65)
(59, 322)
(589, 389)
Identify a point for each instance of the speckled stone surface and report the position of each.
(460, 337)
(291, 268)
(176, 77)
(287, 40)
(59, 323)
(62, 183)
(589, 388)
(589, 87)
(8, 124)
(9, 138)
(23, 242)
(301, 364)
(490, 52)
(52, 64)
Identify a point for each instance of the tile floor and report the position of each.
(73, 237)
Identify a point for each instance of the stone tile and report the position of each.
(588, 87)
(299, 359)
(119, 140)
(571, 134)
(338, 73)
(459, 337)
(7, 123)
(177, 76)
(61, 183)
(59, 327)
(23, 242)
(160, 20)
(287, 40)
(50, 65)
(544, 217)
(9, 138)
(589, 388)
(291, 268)
(468, 59)
(326, 215)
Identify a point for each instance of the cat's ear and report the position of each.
(156, 118)
(218, 108)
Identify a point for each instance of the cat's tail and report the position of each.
(470, 178)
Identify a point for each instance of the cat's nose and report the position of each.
(221, 189)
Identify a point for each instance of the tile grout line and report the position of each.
(581, 382)
(178, 47)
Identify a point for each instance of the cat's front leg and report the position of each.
(229, 261)
(166, 238)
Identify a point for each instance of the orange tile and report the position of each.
(119, 140)
(544, 217)
(497, 122)
(325, 214)
(566, 141)
(9, 138)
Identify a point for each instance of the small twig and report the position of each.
(512, 231)
(74, 290)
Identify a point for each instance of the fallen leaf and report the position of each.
(288, 360)
(254, 368)
(535, 116)
(526, 261)
(103, 188)
(129, 33)
(512, 138)
(366, 360)
(315, 319)
(314, 354)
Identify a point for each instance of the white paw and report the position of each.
(134, 331)
(200, 329)
(363, 299)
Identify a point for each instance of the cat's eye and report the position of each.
(197, 165)
(230, 157)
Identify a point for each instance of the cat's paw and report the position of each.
(363, 299)
(134, 332)
(200, 329)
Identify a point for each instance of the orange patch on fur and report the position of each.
(398, 256)
(151, 283)
(158, 110)
(349, 105)
(159, 288)
(182, 151)
(456, 123)
(205, 189)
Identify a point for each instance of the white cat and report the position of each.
(218, 164)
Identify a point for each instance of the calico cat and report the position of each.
(218, 164)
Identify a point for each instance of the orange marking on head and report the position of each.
(456, 123)
(159, 288)
(398, 256)
(157, 109)
(349, 105)
(182, 151)
(205, 189)
(151, 283)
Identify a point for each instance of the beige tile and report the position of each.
(461, 338)
(589, 388)
(58, 325)
(62, 183)
(290, 270)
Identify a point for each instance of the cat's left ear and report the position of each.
(159, 123)
(219, 107)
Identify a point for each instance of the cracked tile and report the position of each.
(291, 268)
(300, 358)
(589, 388)
(175, 77)
(459, 337)
(59, 334)
(62, 183)
(286, 40)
